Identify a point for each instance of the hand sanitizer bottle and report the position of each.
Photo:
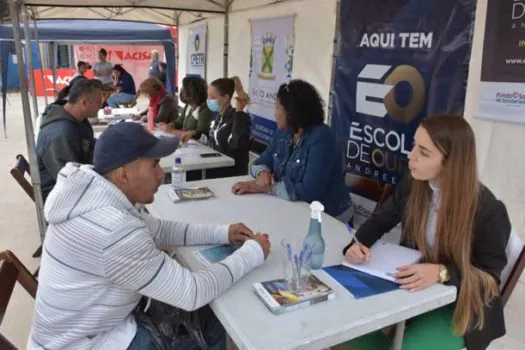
(314, 239)
(178, 174)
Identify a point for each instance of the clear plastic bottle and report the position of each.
(178, 174)
(314, 240)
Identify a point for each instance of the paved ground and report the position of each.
(20, 235)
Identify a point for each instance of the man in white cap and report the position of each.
(101, 256)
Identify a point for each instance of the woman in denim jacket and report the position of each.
(303, 162)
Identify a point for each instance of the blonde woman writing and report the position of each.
(462, 231)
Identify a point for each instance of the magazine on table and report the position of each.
(186, 194)
(278, 299)
(213, 255)
(360, 284)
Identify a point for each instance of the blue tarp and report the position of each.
(99, 31)
(92, 31)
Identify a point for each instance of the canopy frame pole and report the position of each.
(41, 61)
(14, 8)
(54, 53)
(177, 43)
(227, 4)
(29, 60)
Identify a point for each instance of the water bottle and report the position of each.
(314, 238)
(178, 174)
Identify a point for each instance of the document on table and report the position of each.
(385, 259)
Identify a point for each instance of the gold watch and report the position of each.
(443, 274)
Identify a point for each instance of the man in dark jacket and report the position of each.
(65, 133)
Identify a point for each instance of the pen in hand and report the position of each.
(361, 246)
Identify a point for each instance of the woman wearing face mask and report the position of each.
(196, 117)
(462, 231)
(230, 131)
(303, 162)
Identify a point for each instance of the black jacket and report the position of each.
(491, 235)
(230, 134)
(61, 139)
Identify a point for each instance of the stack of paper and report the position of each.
(385, 259)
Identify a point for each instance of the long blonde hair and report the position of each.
(460, 188)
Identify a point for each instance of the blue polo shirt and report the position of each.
(127, 84)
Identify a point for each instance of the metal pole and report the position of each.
(226, 34)
(14, 9)
(177, 25)
(335, 53)
(29, 60)
(398, 338)
(54, 67)
(41, 62)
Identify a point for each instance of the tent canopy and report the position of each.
(94, 31)
(89, 31)
(172, 12)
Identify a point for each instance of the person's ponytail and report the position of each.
(241, 94)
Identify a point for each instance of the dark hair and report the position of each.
(103, 51)
(119, 68)
(303, 105)
(196, 88)
(81, 64)
(83, 88)
(62, 94)
(226, 86)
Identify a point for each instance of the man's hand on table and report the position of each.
(264, 240)
(239, 233)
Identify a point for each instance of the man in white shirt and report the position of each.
(101, 256)
(103, 69)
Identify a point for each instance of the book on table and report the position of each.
(278, 299)
(187, 194)
(216, 254)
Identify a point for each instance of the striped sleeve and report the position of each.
(172, 233)
(132, 260)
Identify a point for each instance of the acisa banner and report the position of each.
(196, 53)
(271, 65)
(136, 59)
(398, 63)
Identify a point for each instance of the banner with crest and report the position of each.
(271, 65)
(196, 59)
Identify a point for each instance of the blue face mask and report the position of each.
(213, 105)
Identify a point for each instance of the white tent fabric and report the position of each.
(171, 12)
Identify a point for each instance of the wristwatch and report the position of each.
(443, 274)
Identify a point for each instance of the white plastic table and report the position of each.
(246, 319)
(117, 113)
(98, 129)
(191, 159)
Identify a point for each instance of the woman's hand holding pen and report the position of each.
(357, 253)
